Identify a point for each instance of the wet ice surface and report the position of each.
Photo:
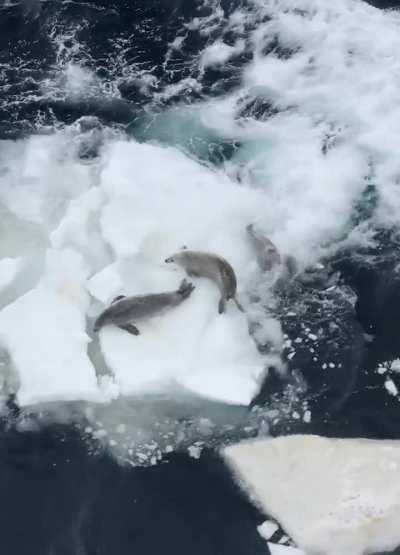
(331, 495)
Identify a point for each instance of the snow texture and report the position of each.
(331, 495)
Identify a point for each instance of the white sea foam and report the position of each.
(219, 53)
(331, 495)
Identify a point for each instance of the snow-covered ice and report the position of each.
(332, 496)
(44, 333)
(147, 218)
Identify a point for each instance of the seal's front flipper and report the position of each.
(221, 305)
(130, 328)
(185, 289)
(118, 298)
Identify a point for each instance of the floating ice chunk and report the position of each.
(9, 268)
(45, 336)
(267, 529)
(307, 416)
(391, 387)
(333, 496)
(191, 345)
(44, 332)
(276, 549)
(159, 200)
(395, 366)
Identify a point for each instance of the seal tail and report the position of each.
(185, 289)
(237, 303)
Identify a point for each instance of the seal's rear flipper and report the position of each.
(237, 303)
(130, 328)
(221, 305)
(185, 289)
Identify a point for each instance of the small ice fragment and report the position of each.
(324, 366)
(194, 451)
(382, 369)
(267, 529)
(395, 366)
(120, 429)
(296, 415)
(291, 355)
(312, 337)
(307, 416)
(331, 365)
(391, 387)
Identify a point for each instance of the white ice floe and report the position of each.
(391, 387)
(9, 268)
(332, 496)
(44, 333)
(267, 529)
(154, 209)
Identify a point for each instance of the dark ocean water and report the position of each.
(57, 496)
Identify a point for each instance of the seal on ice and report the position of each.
(123, 311)
(268, 256)
(211, 266)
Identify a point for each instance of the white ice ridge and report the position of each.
(332, 496)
